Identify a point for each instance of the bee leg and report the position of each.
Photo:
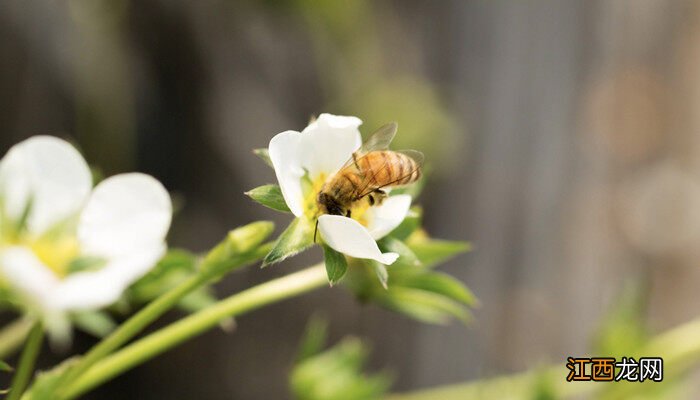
(379, 196)
(315, 230)
(371, 200)
(347, 214)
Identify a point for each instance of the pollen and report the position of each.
(359, 210)
(311, 188)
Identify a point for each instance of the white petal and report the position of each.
(26, 273)
(349, 237)
(51, 173)
(326, 120)
(125, 213)
(384, 218)
(95, 289)
(329, 142)
(286, 156)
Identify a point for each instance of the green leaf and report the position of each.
(96, 323)
(296, 238)
(410, 223)
(432, 252)
(406, 255)
(424, 306)
(337, 374)
(381, 272)
(264, 155)
(269, 196)
(336, 264)
(443, 284)
(5, 367)
(314, 339)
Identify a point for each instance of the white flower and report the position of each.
(52, 221)
(320, 150)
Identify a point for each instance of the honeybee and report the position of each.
(370, 169)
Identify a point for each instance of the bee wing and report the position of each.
(379, 140)
(417, 156)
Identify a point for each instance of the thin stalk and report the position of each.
(13, 335)
(26, 362)
(172, 335)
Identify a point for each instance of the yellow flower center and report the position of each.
(57, 254)
(311, 188)
(55, 250)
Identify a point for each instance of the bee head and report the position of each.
(329, 205)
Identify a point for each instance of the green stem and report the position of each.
(13, 335)
(26, 362)
(148, 314)
(197, 323)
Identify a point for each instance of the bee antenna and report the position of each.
(315, 230)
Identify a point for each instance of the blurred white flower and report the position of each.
(320, 150)
(66, 247)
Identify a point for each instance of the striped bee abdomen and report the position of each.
(388, 168)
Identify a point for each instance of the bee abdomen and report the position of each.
(382, 168)
(409, 170)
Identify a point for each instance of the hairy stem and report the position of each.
(197, 323)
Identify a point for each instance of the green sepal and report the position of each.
(96, 323)
(336, 264)
(406, 255)
(296, 238)
(264, 155)
(86, 263)
(5, 367)
(175, 266)
(432, 252)
(381, 272)
(424, 306)
(442, 284)
(269, 196)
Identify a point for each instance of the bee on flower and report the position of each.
(338, 188)
(66, 246)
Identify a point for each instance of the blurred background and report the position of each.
(563, 140)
